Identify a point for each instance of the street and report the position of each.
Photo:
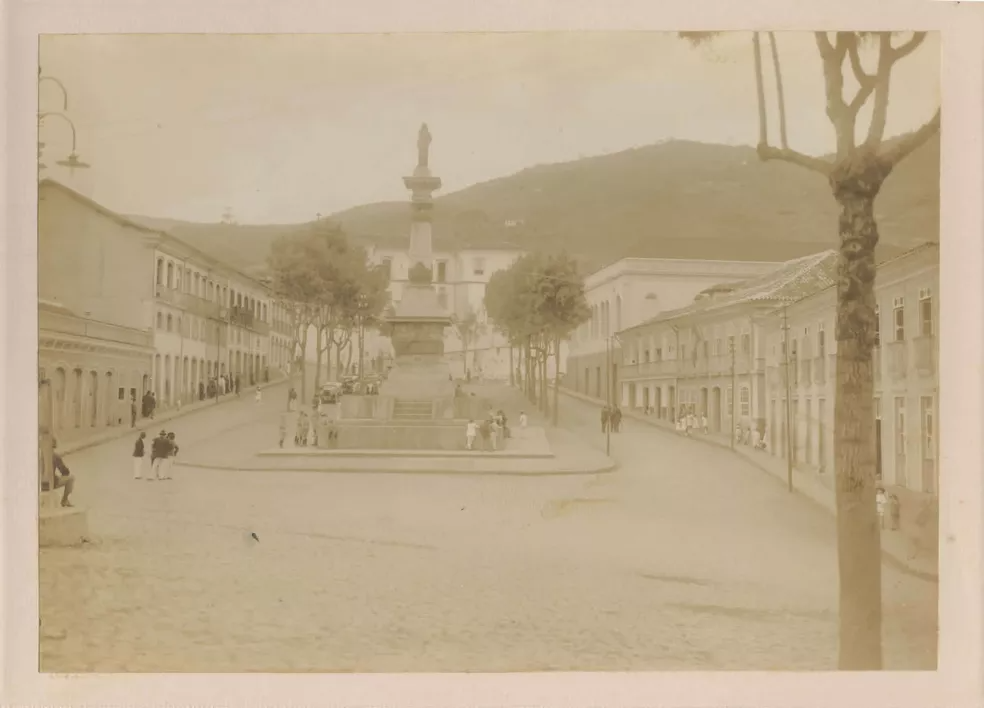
(684, 558)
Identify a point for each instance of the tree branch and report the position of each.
(816, 164)
(909, 47)
(760, 90)
(879, 114)
(908, 144)
(866, 81)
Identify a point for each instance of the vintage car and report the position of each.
(330, 392)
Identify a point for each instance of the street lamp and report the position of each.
(72, 162)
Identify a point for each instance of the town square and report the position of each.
(479, 396)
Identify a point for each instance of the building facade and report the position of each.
(95, 368)
(204, 318)
(623, 295)
(906, 377)
(460, 278)
(709, 357)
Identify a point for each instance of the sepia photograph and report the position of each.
(489, 352)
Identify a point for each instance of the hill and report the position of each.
(675, 199)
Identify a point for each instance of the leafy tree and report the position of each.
(538, 301)
(469, 329)
(855, 174)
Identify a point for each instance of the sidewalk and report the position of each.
(69, 442)
(898, 548)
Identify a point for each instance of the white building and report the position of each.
(628, 292)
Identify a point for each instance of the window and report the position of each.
(160, 321)
(731, 344)
(170, 274)
(927, 428)
(792, 350)
(877, 326)
(442, 272)
(899, 427)
(177, 280)
(121, 394)
(717, 347)
(658, 355)
(478, 266)
(744, 398)
(898, 318)
(646, 355)
(160, 271)
(746, 343)
(821, 341)
(197, 283)
(170, 323)
(926, 312)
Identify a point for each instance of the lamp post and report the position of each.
(72, 162)
(734, 393)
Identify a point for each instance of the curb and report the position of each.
(147, 423)
(608, 469)
(888, 557)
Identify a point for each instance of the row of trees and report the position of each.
(536, 304)
(857, 70)
(329, 288)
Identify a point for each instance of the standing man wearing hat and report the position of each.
(158, 452)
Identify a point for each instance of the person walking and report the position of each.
(138, 456)
(133, 411)
(494, 433)
(485, 430)
(617, 420)
(471, 430)
(605, 416)
(259, 394)
(522, 419)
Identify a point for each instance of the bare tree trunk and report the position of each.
(348, 356)
(319, 331)
(303, 362)
(512, 371)
(780, 96)
(858, 533)
(556, 392)
(543, 379)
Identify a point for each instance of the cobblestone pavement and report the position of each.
(684, 559)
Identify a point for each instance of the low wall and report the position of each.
(380, 408)
(389, 435)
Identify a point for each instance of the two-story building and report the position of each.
(906, 378)
(621, 296)
(709, 356)
(203, 318)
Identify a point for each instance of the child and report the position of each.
(471, 430)
(522, 419)
(138, 456)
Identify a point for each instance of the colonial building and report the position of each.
(696, 357)
(906, 378)
(461, 278)
(621, 296)
(95, 368)
(204, 318)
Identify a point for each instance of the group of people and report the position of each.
(219, 386)
(163, 450)
(688, 422)
(490, 430)
(611, 419)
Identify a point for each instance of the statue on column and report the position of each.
(423, 145)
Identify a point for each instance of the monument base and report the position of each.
(448, 408)
(418, 377)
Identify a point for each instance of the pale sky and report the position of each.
(282, 127)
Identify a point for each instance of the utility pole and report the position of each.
(734, 393)
(608, 387)
(790, 439)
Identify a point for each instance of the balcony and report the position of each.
(165, 294)
(820, 370)
(924, 352)
(898, 360)
(241, 317)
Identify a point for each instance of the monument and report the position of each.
(417, 406)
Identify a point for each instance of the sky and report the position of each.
(280, 128)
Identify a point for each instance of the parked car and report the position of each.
(330, 392)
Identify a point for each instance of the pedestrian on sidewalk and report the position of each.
(485, 430)
(522, 419)
(283, 428)
(172, 452)
(617, 420)
(157, 448)
(133, 411)
(259, 394)
(201, 390)
(291, 399)
(138, 456)
(703, 422)
(605, 413)
(153, 403)
(494, 434)
(471, 430)
(237, 384)
(63, 476)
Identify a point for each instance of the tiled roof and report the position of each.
(791, 281)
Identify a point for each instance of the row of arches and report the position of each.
(182, 378)
(92, 398)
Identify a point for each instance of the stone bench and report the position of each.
(58, 525)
